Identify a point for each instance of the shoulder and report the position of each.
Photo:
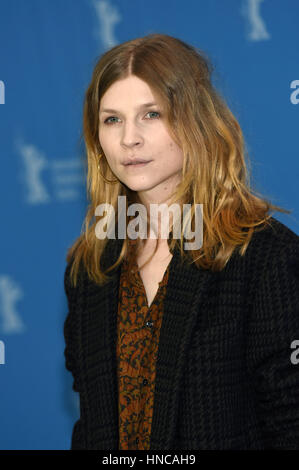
(276, 233)
(273, 265)
(71, 290)
(273, 242)
(270, 261)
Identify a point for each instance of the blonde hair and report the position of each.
(214, 171)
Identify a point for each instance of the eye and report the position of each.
(107, 120)
(154, 112)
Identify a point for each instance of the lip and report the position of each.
(135, 162)
(137, 165)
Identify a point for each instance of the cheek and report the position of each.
(175, 154)
(100, 133)
(105, 143)
(103, 137)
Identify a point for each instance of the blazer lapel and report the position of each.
(185, 288)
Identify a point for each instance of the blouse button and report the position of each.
(137, 440)
(145, 381)
(149, 323)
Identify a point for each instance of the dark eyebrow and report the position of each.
(145, 105)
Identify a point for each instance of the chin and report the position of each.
(138, 187)
(135, 184)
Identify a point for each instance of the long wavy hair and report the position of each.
(214, 171)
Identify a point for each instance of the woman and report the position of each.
(218, 371)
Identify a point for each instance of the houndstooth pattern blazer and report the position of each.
(227, 372)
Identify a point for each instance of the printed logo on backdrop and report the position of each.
(256, 27)
(46, 179)
(294, 97)
(108, 16)
(2, 92)
(10, 319)
(2, 352)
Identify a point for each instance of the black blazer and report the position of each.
(227, 376)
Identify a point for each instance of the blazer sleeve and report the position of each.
(71, 352)
(70, 333)
(273, 327)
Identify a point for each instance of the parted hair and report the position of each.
(216, 165)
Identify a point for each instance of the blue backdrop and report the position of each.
(48, 49)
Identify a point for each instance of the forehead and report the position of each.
(128, 90)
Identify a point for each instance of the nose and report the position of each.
(131, 135)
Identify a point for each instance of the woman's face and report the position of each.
(128, 129)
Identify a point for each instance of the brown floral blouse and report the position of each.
(138, 330)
